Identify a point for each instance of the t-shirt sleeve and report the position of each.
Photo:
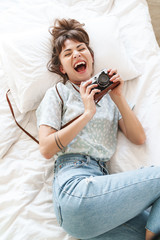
(49, 111)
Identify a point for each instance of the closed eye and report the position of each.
(67, 55)
(69, 52)
(81, 49)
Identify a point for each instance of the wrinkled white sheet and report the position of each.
(26, 210)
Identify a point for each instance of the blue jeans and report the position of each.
(91, 204)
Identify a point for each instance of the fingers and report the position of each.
(115, 77)
(94, 91)
(112, 72)
(87, 87)
(84, 85)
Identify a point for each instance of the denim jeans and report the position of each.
(91, 204)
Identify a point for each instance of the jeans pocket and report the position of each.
(57, 210)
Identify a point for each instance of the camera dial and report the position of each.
(103, 80)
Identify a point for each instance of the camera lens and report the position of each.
(103, 79)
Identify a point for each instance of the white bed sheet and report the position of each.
(26, 210)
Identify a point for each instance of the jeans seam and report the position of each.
(63, 191)
(131, 227)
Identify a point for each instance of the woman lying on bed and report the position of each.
(89, 203)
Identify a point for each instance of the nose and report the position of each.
(76, 54)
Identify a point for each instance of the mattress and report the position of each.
(26, 207)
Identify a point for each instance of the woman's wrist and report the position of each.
(88, 115)
(118, 99)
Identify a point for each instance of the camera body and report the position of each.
(102, 79)
(104, 83)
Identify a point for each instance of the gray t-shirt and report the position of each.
(98, 138)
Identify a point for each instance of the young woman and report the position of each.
(89, 203)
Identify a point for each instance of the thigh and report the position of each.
(94, 205)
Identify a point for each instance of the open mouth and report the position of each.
(80, 66)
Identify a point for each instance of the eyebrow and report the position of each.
(69, 49)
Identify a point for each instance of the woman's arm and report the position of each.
(52, 141)
(129, 124)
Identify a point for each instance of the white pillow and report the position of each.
(109, 51)
(99, 6)
(25, 56)
(24, 59)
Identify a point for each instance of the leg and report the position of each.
(133, 229)
(149, 235)
(89, 207)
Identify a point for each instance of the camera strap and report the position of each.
(62, 107)
(26, 132)
(98, 97)
(13, 115)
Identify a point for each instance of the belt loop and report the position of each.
(54, 167)
(103, 168)
(88, 159)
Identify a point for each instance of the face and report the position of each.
(76, 61)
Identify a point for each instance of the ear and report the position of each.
(92, 58)
(61, 69)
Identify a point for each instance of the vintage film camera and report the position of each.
(104, 83)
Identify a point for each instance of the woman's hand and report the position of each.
(87, 92)
(117, 91)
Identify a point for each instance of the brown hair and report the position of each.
(61, 31)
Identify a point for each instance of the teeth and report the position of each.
(79, 63)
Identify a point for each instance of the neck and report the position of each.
(76, 82)
(72, 83)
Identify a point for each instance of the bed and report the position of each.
(123, 37)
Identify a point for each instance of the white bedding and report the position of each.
(26, 210)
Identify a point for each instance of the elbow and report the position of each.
(138, 140)
(45, 153)
(141, 140)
